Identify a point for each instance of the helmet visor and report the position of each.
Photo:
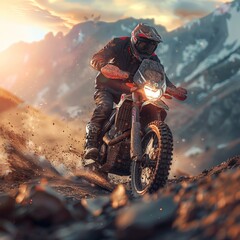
(145, 46)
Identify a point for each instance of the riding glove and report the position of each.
(113, 72)
(177, 92)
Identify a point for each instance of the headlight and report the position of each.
(152, 93)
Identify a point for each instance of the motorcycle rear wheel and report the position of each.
(151, 172)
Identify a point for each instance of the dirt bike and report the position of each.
(135, 140)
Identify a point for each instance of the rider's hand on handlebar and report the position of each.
(113, 72)
(177, 92)
(131, 86)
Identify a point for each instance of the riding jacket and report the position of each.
(118, 52)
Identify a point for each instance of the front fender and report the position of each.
(151, 111)
(159, 104)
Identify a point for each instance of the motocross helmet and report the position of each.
(144, 41)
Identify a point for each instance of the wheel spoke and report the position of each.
(149, 146)
(148, 164)
(146, 177)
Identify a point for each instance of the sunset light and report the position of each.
(30, 20)
(14, 32)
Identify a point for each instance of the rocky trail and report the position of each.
(36, 202)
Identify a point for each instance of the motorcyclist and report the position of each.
(117, 63)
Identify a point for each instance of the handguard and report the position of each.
(177, 92)
(113, 72)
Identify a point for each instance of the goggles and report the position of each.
(146, 46)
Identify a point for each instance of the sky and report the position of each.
(31, 20)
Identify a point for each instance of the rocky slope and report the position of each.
(48, 206)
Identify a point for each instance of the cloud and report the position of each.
(44, 15)
(30, 12)
(30, 20)
(187, 10)
(57, 15)
(71, 12)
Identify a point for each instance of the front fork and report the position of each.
(136, 148)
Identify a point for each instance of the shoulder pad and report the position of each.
(124, 38)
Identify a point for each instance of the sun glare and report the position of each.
(12, 32)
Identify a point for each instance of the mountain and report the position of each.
(203, 56)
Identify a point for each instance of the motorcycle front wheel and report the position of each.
(151, 172)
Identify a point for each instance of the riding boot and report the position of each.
(91, 145)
